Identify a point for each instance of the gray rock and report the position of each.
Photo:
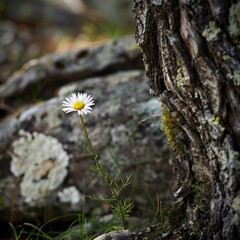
(42, 145)
(51, 71)
(42, 162)
(115, 235)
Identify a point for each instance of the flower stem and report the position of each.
(87, 138)
(103, 173)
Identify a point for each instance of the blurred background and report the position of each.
(32, 28)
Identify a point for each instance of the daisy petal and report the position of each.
(78, 102)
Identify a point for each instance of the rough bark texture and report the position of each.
(191, 56)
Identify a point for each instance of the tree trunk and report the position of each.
(191, 56)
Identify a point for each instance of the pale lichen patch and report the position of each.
(41, 163)
(211, 32)
(234, 20)
(234, 160)
(179, 77)
(236, 207)
(71, 195)
(226, 58)
(216, 121)
(235, 77)
(236, 203)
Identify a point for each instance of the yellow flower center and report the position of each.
(78, 105)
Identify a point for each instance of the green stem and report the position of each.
(104, 175)
(87, 138)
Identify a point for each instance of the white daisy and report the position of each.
(80, 103)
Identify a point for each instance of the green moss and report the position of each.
(202, 194)
(211, 32)
(171, 128)
(175, 215)
(234, 20)
(200, 203)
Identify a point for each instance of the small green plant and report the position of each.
(80, 228)
(159, 211)
(82, 104)
(15, 234)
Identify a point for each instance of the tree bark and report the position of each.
(191, 56)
